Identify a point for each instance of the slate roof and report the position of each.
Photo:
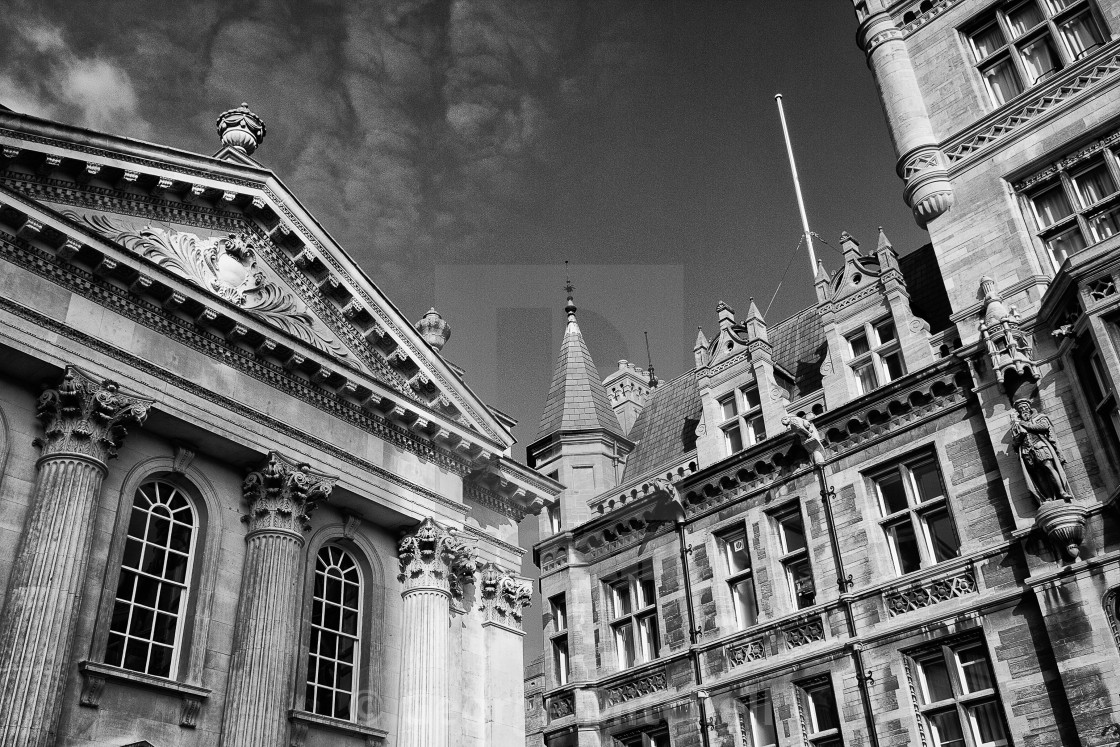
(666, 428)
(577, 399)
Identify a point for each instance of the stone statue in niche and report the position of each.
(1042, 463)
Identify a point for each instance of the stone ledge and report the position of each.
(303, 721)
(94, 675)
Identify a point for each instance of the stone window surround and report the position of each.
(877, 352)
(807, 711)
(915, 508)
(369, 671)
(632, 574)
(207, 549)
(1010, 53)
(718, 550)
(558, 640)
(774, 515)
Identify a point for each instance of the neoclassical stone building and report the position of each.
(890, 519)
(242, 500)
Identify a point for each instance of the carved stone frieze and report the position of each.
(644, 684)
(929, 593)
(746, 651)
(226, 267)
(432, 556)
(804, 632)
(504, 597)
(88, 417)
(561, 706)
(282, 495)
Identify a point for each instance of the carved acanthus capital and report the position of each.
(433, 557)
(282, 494)
(86, 416)
(504, 597)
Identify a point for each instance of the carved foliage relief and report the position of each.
(226, 267)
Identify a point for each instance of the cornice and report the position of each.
(175, 328)
(116, 152)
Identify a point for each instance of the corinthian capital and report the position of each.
(504, 597)
(86, 416)
(433, 557)
(282, 494)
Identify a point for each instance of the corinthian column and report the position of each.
(84, 422)
(281, 496)
(434, 566)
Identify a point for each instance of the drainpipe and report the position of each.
(693, 631)
(844, 583)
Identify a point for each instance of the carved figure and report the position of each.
(808, 435)
(1042, 463)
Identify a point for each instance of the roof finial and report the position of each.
(649, 359)
(571, 306)
(241, 129)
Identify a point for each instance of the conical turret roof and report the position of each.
(577, 399)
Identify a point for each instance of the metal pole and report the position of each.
(797, 189)
(692, 630)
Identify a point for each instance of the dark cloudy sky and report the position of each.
(461, 151)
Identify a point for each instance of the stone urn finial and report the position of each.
(435, 331)
(240, 128)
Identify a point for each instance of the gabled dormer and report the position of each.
(743, 392)
(872, 333)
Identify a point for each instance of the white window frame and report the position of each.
(795, 557)
(1085, 224)
(157, 492)
(335, 553)
(918, 510)
(738, 578)
(1012, 51)
(641, 619)
(962, 702)
(745, 417)
(760, 714)
(555, 518)
(877, 354)
(822, 737)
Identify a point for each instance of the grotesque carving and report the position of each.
(1032, 434)
(808, 435)
(282, 495)
(433, 557)
(84, 416)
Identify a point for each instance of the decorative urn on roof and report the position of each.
(240, 128)
(435, 331)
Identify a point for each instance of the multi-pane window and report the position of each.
(916, 517)
(633, 617)
(558, 605)
(656, 736)
(760, 715)
(795, 557)
(818, 709)
(958, 697)
(1022, 43)
(741, 419)
(740, 580)
(1099, 392)
(145, 633)
(875, 355)
(332, 656)
(1078, 206)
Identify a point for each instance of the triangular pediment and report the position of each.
(245, 246)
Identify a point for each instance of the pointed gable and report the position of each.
(577, 399)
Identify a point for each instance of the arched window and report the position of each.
(334, 646)
(146, 630)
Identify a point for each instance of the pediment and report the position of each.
(230, 266)
(280, 268)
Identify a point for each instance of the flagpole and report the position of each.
(797, 189)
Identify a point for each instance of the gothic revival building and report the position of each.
(189, 365)
(890, 519)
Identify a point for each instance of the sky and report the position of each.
(462, 151)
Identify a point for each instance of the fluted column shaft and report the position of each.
(281, 495)
(434, 566)
(84, 425)
(44, 597)
(423, 720)
(267, 642)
